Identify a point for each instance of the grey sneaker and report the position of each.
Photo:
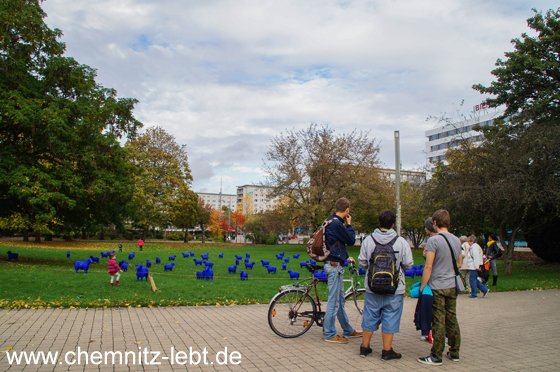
(453, 358)
(431, 359)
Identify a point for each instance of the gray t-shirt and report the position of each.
(443, 273)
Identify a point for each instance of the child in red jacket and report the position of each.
(114, 269)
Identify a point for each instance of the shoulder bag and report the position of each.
(459, 283)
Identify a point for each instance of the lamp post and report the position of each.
(398, 180)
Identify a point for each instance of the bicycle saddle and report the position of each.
(311, 267)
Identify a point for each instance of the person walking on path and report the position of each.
(439, 274)
(464, 270)
(384, 309)
(474, 261)
(337, 236)
(492, 253)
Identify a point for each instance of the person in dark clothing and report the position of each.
(337, 236)
(491, 253)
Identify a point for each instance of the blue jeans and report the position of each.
(335, 304)
(475, 283)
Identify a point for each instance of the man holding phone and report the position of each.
(337, 236)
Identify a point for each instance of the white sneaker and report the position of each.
(424, 338)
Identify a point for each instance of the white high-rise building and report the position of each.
(260, 194)
(451, 135)
(217, 201)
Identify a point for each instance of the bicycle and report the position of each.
(293, 310)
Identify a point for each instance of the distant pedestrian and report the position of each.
(439, 274)
(493, 252)
(474, 262)
(464, 270)
(120, 247)
(113, 268)
(140, 244)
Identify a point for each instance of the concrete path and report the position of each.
(517, 331)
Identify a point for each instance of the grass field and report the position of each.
(45, 277)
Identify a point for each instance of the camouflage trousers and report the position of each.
(444, 319)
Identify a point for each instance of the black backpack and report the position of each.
(383, 273)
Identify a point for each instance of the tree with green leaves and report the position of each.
(164, 178)
(204, 211)
(184, 209)
(62, 168)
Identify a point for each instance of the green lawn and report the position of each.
(44, 277)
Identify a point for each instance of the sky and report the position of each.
(225, 77)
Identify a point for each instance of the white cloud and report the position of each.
(226, 76)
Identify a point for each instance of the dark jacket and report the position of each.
(423, 312)
(337, 232)
(492, 250)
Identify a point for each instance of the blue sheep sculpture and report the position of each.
(236, 262)
(200, 275)
(246, 260)
(293, 274)
(296, 256)
(249, 265)
(197, 262)
(148, 264)
(247, 255)
(172, 258)
(185, 255)
(410, 272)
(209, 264)
(279, 256)
(158, 260)
(322, 276)
(265, 263)
(221, 255)
(361, 272)
(345, 264)
(103, 254)
(287, 259)
(192, 254)
(82, 265)
(131, 256)
(232, 269)
(141, 273)
(67, 254)
(123, 265)
(94, 259)
(204, 256)
(283, 266)
(303, 264)
(271, 269)
(313, 262)
(208, 273)
(243, 275)
(238, 257)
(168, 267)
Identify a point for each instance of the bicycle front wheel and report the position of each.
(292, 313)
(355, 309)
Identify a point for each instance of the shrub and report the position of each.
(545, 241)
(271, 239)
(305, 240)
(128, 235)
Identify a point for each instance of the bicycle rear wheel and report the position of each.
(355, 310)
(292, 313)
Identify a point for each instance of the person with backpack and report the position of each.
(443, 258)
(337, 236)
(493, 252)
(386, 257)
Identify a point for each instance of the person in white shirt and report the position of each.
(474, 261)
(464, 270)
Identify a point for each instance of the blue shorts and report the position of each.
(382, 309)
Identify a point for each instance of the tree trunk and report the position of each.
(37, 237)
(102, 235)
(25, 235)
(48, 238)
(144, 232)
(84, 235)
(203, 235)
(186, 240)
(224, 238)
(508, 251)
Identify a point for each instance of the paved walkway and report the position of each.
(517, 331)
